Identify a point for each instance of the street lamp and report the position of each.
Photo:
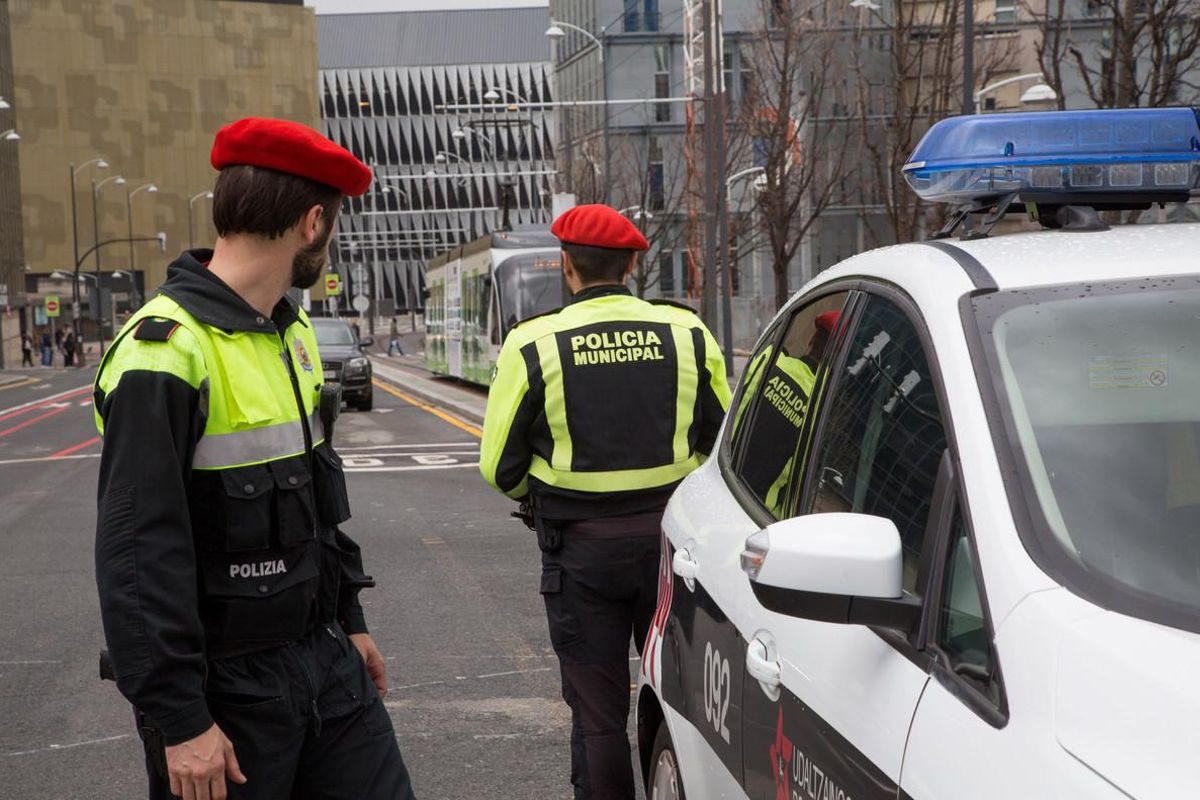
(11, 135)
(1039, 92)
(119, 181)
(73, 172)
(556, 34)
(135, 300)
(207, 195)
(150, 188)
(4, 104)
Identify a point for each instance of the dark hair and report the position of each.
(596, 264)
(266, 202)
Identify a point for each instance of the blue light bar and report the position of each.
(1151, 152)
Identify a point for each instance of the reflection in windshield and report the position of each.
(333, 333)
(1104, 395)
(529, 285)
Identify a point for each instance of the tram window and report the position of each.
(529, 285)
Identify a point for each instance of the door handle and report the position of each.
(685, 567)
(763, 667)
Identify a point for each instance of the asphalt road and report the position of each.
(474, 685)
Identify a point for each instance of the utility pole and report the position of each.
(717, 70)
(712, 168)
(968, 56)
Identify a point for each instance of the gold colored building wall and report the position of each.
(145, 84)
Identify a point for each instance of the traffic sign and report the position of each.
(361, 303)
(53, 308)
(333, 284)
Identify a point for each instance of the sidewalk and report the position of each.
(407, 375)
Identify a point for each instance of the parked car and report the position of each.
(949, 544)
(343, 360)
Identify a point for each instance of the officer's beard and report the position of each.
(309, 263)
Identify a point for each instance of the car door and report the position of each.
(834, 721)
(706, 598)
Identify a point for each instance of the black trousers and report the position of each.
(600, 589)
(306, 723)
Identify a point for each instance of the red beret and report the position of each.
(598, 226)
(828, 320)
(293, 148)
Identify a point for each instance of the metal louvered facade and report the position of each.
(390, 117)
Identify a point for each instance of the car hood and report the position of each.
(1126, 703)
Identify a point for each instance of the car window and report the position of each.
(882, 438)
(770, 414)
(962, 629)
(333, 333)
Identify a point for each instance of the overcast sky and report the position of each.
(365, 6)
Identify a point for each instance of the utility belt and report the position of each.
(552, 532)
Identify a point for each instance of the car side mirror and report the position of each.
(366, 341)
(845, 568)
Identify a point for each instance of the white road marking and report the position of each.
(40, 400)
(85, 403)
(407, 469)
(454, 445)
(19, 663)
(53, 747)
(47, 458)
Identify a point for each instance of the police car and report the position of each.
(949, 545)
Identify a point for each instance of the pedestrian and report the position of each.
(68, 349)
(357, 331)
(596, 412)
(47, 350)
(26, 349)
(228, 593)
(59, 335)
(394, 337)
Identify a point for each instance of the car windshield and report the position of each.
(529, 285)
(1100, 404)
(334, 333)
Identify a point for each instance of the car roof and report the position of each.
(1042, 258)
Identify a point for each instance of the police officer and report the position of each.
(229, 595)
(596, 412)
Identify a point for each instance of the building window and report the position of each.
(652, 15)
(1006, 12)
(662, 81)
(666, 273)
(633, 18)
(656, 176)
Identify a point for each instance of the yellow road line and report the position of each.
(437, 412)
(19, 384)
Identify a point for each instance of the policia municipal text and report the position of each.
(596, 412)
(229, 595)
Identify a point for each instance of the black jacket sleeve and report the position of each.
(145, 558)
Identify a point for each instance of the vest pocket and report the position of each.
(264, 596)
(293, 501)
(333, 501)
(245, 509)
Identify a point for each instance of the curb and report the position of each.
(431, 390)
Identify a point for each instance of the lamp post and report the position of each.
(135, 299)
(11, 135)
(207, 195)
(151, 188)
(73, 172)
(1039, 92)
(556, 33)
(96, 239)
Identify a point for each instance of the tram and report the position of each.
(480, 290)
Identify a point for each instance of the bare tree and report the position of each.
(787, 94)
(648, 182)
(1124, 52)
(909, 79)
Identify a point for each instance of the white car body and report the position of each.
(1095, 703)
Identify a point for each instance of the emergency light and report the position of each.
(1109, 158)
